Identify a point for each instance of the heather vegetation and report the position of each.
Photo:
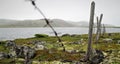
(48, 50)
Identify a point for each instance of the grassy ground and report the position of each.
(58, 54)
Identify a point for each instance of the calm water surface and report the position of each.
(13, 33)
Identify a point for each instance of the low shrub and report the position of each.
(65, 35)
(41, 35)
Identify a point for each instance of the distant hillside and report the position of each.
(41, 23)
(33, 23)
(61, 23)
(80, 24)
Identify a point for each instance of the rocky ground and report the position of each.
(47, 50)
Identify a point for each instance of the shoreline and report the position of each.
(48, 35)
(76, 46)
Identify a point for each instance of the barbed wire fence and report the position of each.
(47, 22)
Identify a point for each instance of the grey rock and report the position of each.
(97, 58)
(71, 51)
(4, 55)
(118, 41)
(108, 40)
(10, 43)
(39, 47)
(37, 42)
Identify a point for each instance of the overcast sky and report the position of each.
(70, 10)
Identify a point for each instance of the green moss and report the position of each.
(58, 54)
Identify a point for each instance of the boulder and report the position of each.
(31, 53)
(118, 41)
(37, 42)
(4, 55)
(12, 53)
(108, 40)
(97, 58)
(10, 43)
(19, 51)
(39, 47)
(41, 42)
(25, 50)
(22, 51)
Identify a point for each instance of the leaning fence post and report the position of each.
(91, 22)
(101, 16)
(98, 33)
(104, 30)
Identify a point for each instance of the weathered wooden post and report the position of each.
(98, 33)
(97, 36)
(91, 21)
(104, 30)
(101, 16)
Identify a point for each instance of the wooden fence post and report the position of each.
(101, 16)
(104, 30)
(91, 22)
(98, 33)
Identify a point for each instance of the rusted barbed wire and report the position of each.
(47, 22)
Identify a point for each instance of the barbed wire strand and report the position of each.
(47, 22)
